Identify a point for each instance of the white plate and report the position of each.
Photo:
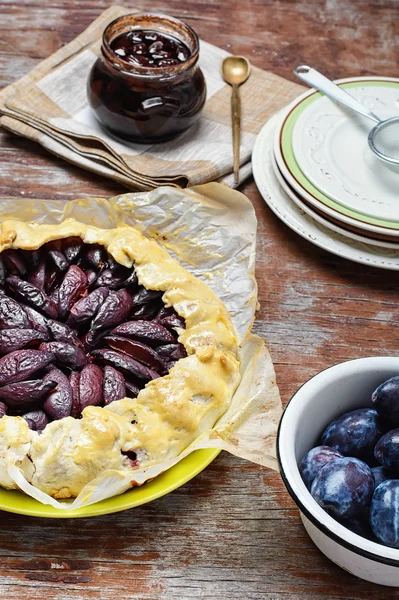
(321, 206)
(299, 221)
(344, 232)
(331, 149)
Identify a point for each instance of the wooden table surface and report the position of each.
(233, 531)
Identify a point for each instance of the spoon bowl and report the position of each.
(235, 69)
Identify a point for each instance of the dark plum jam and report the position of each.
(147, 86)
(149, 48)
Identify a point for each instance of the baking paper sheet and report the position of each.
(210, 230)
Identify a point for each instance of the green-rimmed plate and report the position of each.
(330, 145)
(288, 164)
(183, 471)
(299, 221)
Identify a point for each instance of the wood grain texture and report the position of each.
(232, 532)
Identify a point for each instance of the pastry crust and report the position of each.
(168, 414)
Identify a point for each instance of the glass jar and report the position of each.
(147, 103)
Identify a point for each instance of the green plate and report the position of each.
(186, 469)
(289, 157)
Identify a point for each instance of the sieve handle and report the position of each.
(315, 79)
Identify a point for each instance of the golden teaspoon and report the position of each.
(235, 71)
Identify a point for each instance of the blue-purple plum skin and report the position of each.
(387, 450)
(384, 513)
(385, 400)
(355, 433)
(315, 460)
(344, 488)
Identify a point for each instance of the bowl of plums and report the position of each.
(338, 452)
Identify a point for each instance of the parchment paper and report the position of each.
(210, 230)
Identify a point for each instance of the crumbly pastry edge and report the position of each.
(168, 414)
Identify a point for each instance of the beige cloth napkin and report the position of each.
(49, 105)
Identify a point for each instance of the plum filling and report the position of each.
(132, 456)
(77, 330)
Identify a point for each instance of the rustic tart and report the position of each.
(112, 355)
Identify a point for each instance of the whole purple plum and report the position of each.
(355, 433)
(387, 450)
(315, 460)
(384, 513)
(385, 400)
(344, 488)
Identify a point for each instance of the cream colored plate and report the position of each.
(344, 232)
(286, 210)
(331, 149)
(296, 179)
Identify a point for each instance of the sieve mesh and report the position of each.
(385, 139)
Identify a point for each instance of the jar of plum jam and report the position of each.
(147, 86)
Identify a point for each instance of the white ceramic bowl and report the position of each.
(329, 394)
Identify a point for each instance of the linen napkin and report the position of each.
(49, 105)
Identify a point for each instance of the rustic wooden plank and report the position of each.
(245, 541)
(232, 532)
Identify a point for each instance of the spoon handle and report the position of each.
(236, 126)
(315, 79)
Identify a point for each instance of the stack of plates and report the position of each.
(313, 166)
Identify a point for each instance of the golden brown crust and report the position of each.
(170, 412)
